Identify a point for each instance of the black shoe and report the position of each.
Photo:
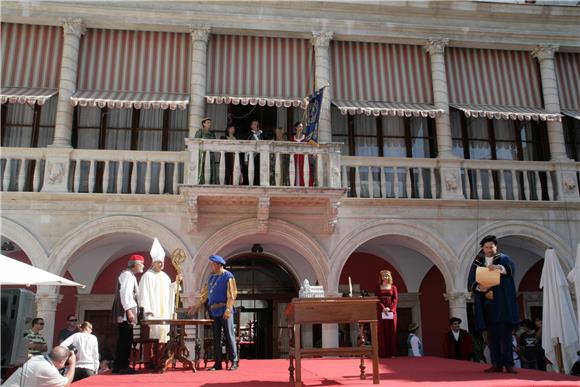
(234, 366)
(127, 371)
(115, 370)
(510, 370)
(214, 368)
(494, 369)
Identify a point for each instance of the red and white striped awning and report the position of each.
(567, 66)
(265, 101)
(571, 113)
(31, 56)
(499, 78)
(130, 99)
(23, 95)
(380, 72)
(133, 69)
(258, 70)
(507, 112)
(387, 109)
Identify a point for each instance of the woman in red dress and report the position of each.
(299, 159)
(387, 314)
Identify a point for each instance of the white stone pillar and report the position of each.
(73, 29)
(199, 39)
(321, 43)
(545, 55)
(329, 335)
(458, 306)
(46, 303)
(436, 49)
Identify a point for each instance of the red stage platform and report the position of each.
(404, 371)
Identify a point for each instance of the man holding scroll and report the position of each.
(491, 279)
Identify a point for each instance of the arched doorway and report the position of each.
(265, 287)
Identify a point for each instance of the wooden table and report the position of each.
(175, 348)
(331, 311)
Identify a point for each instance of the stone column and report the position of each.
(73, 29)
(436, 49)
(545, 55)
(458, 306)
(330, 331)
(199, 39)
(46, 303)
(321, 43)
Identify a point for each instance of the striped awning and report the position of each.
(130, 99)
(498, 78)
(259, 70)
(142, 69)
(362, 71)
(567, 66)
(507, 112)
(572, 113)
(387, 109)
(260, 101)
(31, 56)
(23, 95)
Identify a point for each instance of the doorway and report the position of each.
(265, 288)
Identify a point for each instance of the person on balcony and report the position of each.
(255, 135)
(299, 136)
(496, 309)
(206, 133)
(284, 161)
(220, 292)
(387, 314)
(230, 156)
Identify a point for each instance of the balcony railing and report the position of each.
(221, 162)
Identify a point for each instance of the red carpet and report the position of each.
(427, 371)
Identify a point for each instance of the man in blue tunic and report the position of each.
(495, 308)
(220, 292)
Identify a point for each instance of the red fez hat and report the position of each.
(133, 259)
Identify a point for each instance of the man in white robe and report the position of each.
(157, 294)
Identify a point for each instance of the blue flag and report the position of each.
(313, 116)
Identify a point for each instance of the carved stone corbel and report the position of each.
(193, 210)
(263, 215)
(332, 215)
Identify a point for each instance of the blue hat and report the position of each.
(217, 259)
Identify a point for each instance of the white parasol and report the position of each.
(18, 273)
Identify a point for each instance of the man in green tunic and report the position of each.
(205, 133)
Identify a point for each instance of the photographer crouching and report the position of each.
(43, 370)
(86, 348)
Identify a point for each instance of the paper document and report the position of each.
(387, 315)
(486, 277)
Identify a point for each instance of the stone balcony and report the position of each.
(154, 173)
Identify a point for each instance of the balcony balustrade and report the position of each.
(153, 172)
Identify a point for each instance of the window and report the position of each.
(28, 126)
(572, 135)
(491, 139)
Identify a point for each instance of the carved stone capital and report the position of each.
(47, 302)
(332, 215)
(263, 214)
(200, 33)
(456, 298)
(193, 210)
(436, 46)
(321, 38)
(545, 51)
(74, 27)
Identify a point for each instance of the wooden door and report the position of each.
(105, 330)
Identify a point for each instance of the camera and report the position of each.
(73, 349)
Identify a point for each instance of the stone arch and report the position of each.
(432, 246)
(285, 233)
(27, 242)
(77, 238)
(513, 229)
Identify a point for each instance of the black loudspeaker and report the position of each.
(17, 313)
